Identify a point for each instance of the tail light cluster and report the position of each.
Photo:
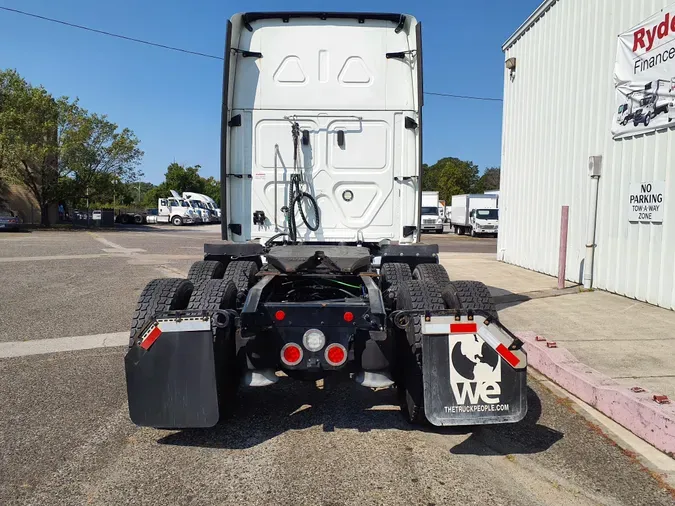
(314, 340)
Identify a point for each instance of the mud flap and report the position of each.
(467, 382)
(171, 383)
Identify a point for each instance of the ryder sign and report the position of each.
(644, 76)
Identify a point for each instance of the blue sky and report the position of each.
(172, 101)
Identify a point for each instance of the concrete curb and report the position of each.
(637, 412)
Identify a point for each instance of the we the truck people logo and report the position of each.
(475, 375)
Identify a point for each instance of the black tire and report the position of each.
(164, 294)
(206, 269)
(461, 230)
(177, 221)
(431, 273)
(473, 232)
(124, 219)
(391, 276)
(472, 295)
(138, 219)
(242, 274)
(647, 120)
(415, 295)
(213, 294)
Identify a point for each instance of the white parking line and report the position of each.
(54, 257)
(14, 349)
(114, 247)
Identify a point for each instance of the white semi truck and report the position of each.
(177, 211)
(207, 202)
(475, 214)
(432, 218)
(320, 271)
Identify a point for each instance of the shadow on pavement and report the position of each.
(525, 437)
(263, 414)
(504, 298)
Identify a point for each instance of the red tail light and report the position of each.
(280, 315)
(336, 355)
(291, 354)
(349, 316)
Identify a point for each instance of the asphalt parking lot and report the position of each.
(65, 436)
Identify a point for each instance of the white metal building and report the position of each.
(560, 105)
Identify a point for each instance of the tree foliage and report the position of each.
(58, 150)
(452, 176)
(29, 129)
(489, 180)
(95, 155)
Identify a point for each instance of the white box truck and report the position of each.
(432, 220)
(475, 214)
(321, 271)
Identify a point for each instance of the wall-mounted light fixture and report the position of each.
(511, 65)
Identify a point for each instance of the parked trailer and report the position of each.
(475, 214)
(321, 271)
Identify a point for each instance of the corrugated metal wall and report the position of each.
(558, 111)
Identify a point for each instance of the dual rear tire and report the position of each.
(430, 290)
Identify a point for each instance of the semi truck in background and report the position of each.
(432, 218)
(475, 214)
(208, 203)
(176, 210)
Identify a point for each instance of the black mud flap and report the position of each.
(466, 382)
(172, 384)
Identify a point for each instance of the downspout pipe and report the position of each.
(591, 223)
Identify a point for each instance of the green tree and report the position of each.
(450, 176)
(489, 180)
(212, 189)
(182, 179)
(97, 154)
(30, 125)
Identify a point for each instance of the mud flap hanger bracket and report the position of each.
(188, 320)
(441, 322)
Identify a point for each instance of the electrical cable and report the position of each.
(297, 195)
(196, 53)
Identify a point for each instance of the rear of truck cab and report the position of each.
(331, 102)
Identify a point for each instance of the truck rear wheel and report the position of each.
(242, 274)
(206, 269)
(472, 295)
(431, 273)
(166, 294)
(414, 295)
(392, 275)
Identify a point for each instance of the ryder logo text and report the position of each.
(646, 38)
